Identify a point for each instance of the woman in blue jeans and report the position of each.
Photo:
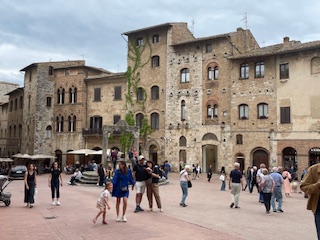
(184, 178)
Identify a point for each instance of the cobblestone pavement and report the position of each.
(208, 215)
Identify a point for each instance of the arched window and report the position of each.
(154, 121)
(60, 96)
(72, 123)
(244, 71)
(11, 106)
(262, 110)
(183, 110)
(155, 93)
(60, 120)
(16, 104)
(182, 141)
(259, 70)
(213, 73)
(49, 132)
(212, 111)
(155, 61)
(185, 75)
(72, 95)
(239, 139)
(243, 111)
(21, 102)
(20, 130)
(9, 133)
(14, 131)
(139, 118)
(140, 94)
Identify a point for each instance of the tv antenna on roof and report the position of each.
(245, 19)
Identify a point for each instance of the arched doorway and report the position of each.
(153, 153)
(314, 156)
(70, 158)
(58, 154)
(260, 156)
(289, 159)
(210, 152)
(240, 159)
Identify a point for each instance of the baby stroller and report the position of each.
(5, 197)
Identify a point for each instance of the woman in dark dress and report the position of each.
(54, 182)
(30, 182)
(122, 178)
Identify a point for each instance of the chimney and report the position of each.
(286, 41)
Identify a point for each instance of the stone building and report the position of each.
(6, 87)
(55, 107)
(275, 105)
(15, 120)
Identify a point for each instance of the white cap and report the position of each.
(141, 157)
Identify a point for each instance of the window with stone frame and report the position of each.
(182, 141)
(262, 110)
(284, 71)
(208, 48)
(139, 118)
(49, 99)
(259, 70)
(154, 92)
(212, 110)
(155, 38)
(20, 131)
(21, 102)
(155, 121)
(73, 95)
(116, 118)
(239, 139)
(183, 110)
(213, 73)
(14, 131)
(285, 113)
(60, 97)
(9, 132)
(50, 72)
(155, 61)
(139, 41)
(244, 71)
(140, 94)
(72, 120)
(48, 132)
(243, 112)
(185, 75)
(97, 95)
(96, 124)
(11, 106)
(67, 72)
(16, 104)
(60, 123)
(117, 93)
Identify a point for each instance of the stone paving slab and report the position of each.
(208, 215)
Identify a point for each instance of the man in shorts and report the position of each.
(140, 175)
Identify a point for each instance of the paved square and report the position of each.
(208, 215)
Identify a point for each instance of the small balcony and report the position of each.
(92, 131)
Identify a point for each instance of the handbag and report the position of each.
(189, 184)
(222, 177)
(124, 189)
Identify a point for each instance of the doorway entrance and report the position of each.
(210, 157)
(314, 156)
(289, 159)
(153, 153)
(260, 156)
(240, 159)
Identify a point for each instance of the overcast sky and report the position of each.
(40, 31)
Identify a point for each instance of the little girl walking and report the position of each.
(103, 203)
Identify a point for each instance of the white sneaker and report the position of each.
(160, 209)
(118, 219)
(124, 219)
(58, 203)
(53, 203)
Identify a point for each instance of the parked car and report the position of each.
(18, 172)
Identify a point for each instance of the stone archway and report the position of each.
(153, 153)
(314, 156)
(290, 159)
(240, 159)
(120, 126)
(210, 152)
(259, 156)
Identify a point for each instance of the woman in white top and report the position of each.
(184, 178)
